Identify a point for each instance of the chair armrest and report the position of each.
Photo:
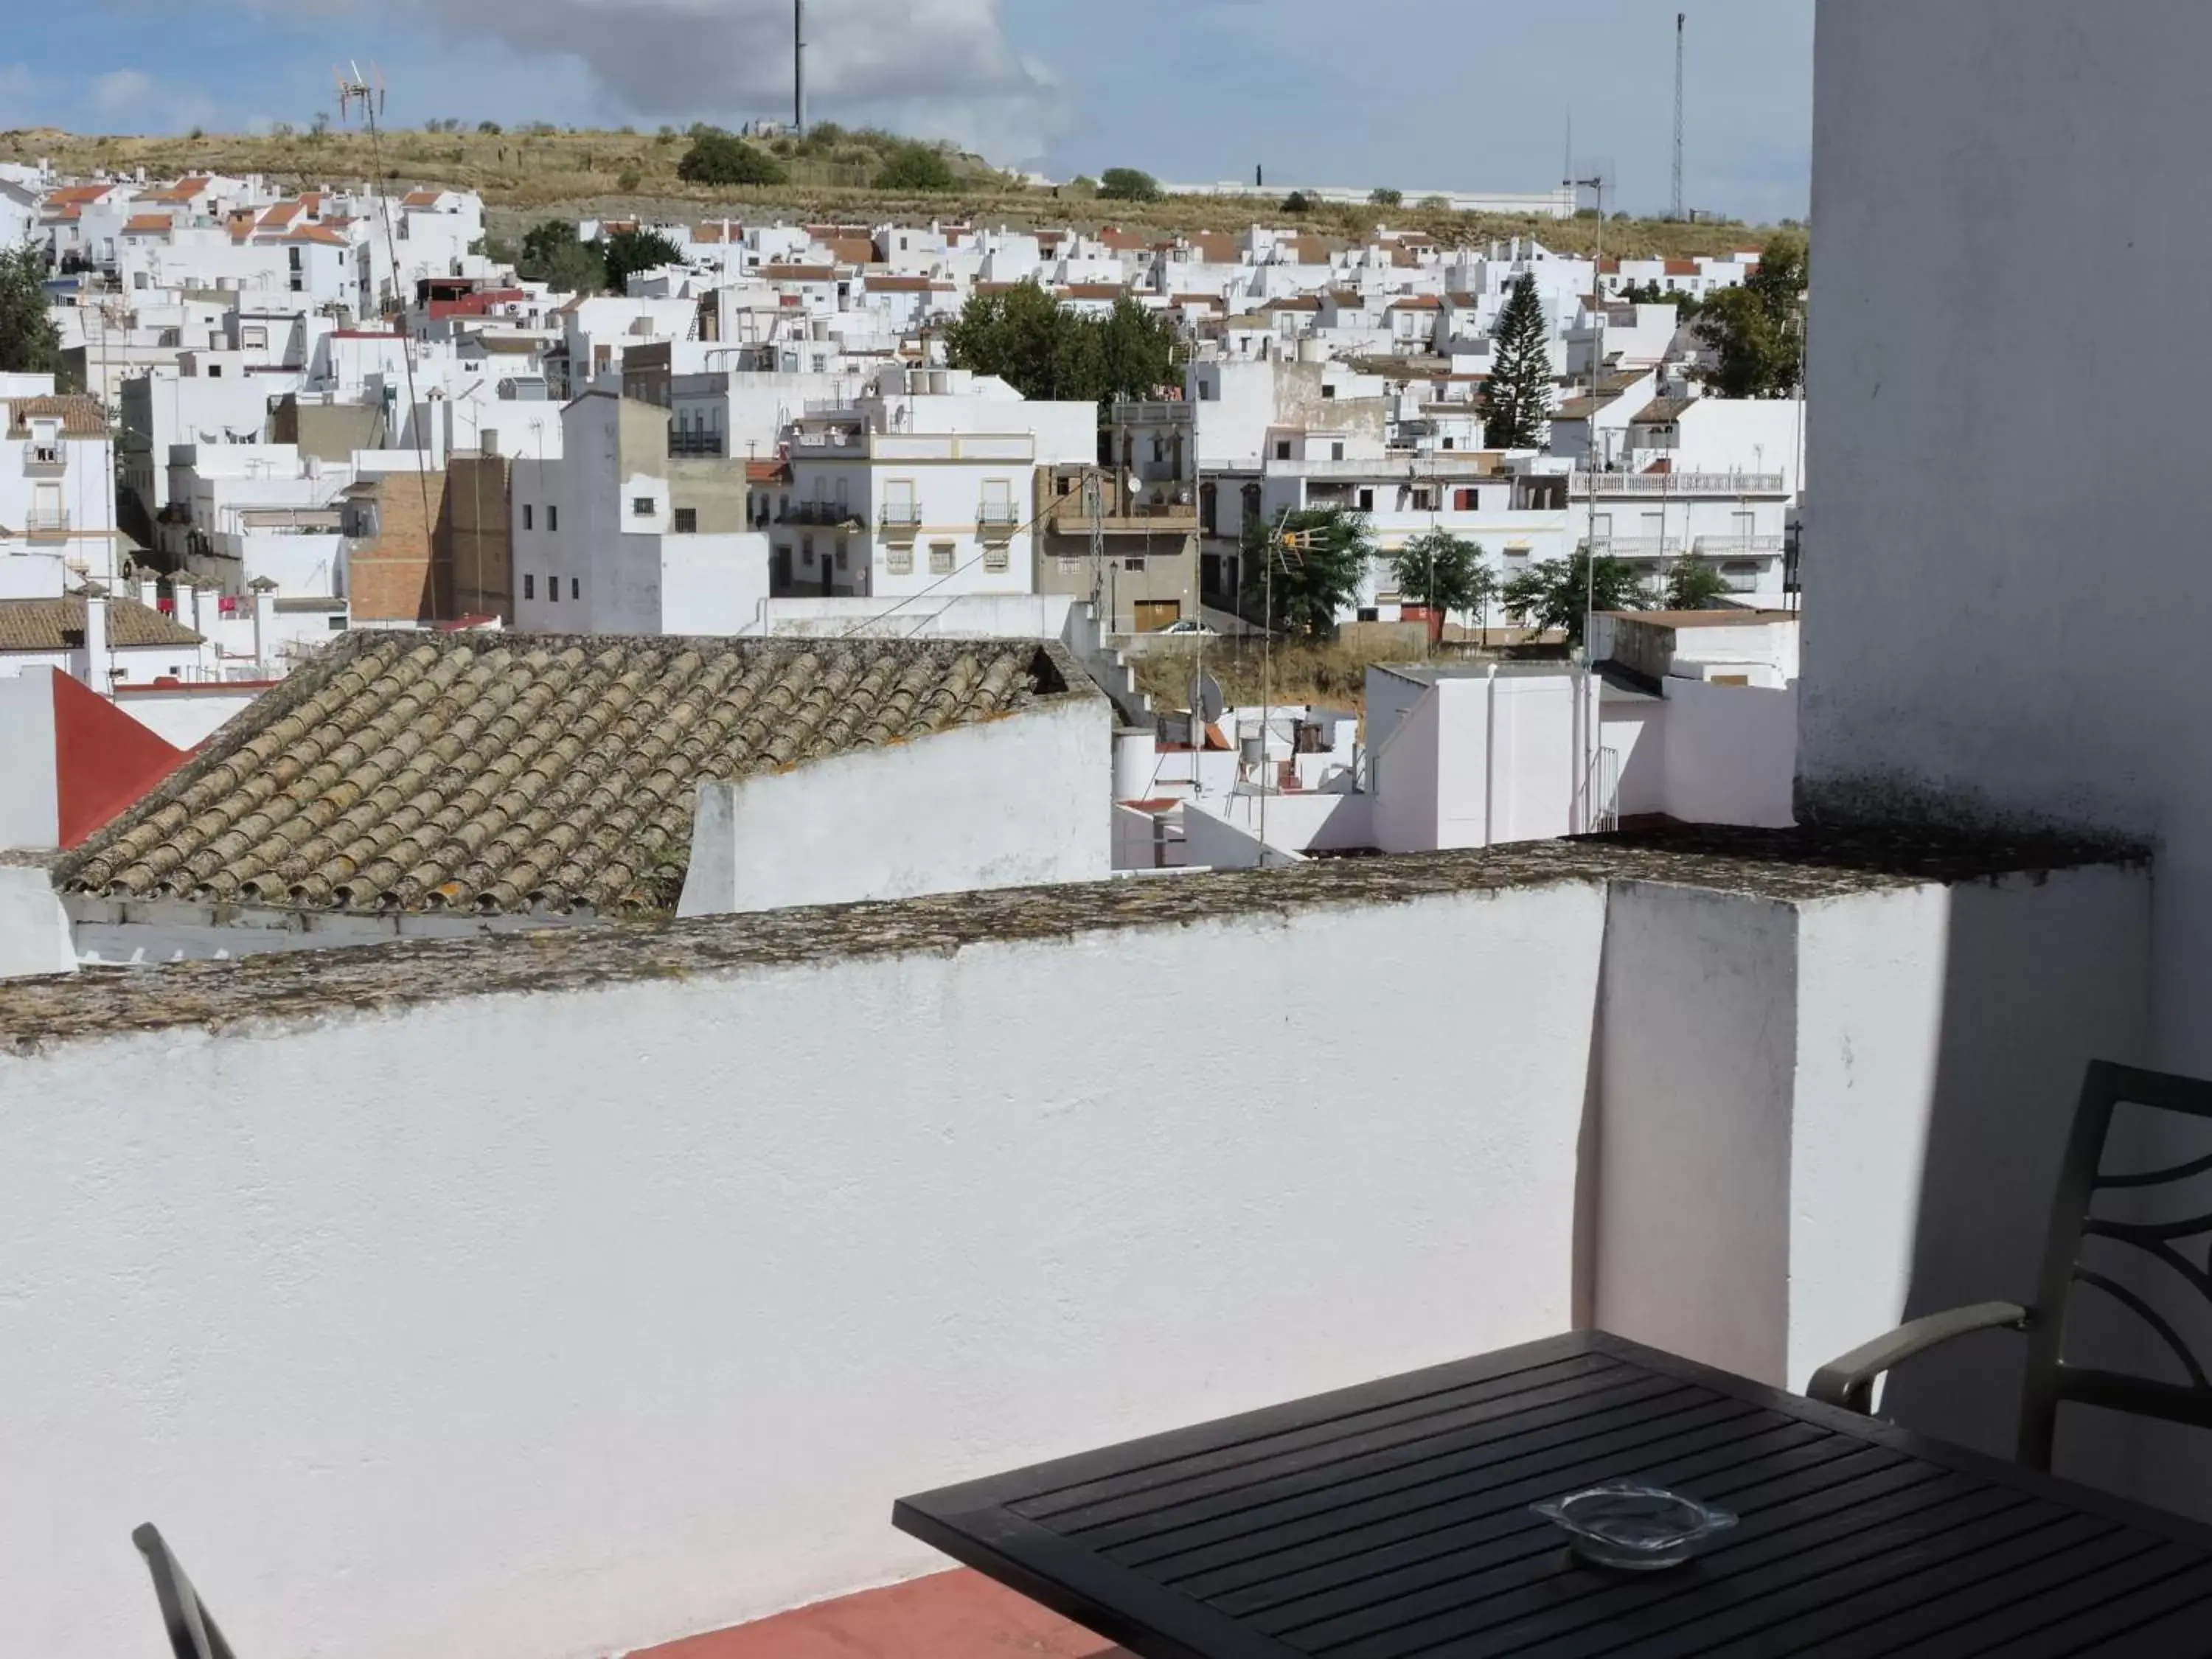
(1848, 1382)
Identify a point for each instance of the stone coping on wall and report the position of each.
(1787, 866)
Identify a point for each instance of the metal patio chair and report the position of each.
(193, 1632)
(1848, 1382)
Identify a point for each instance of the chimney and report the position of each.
(207, 606)
(150, 588)
(264, 621)
(99, 670)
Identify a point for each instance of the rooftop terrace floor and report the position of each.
(951, 1615)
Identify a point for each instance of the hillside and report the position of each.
(525, 175)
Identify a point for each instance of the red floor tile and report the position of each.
(952, 1615)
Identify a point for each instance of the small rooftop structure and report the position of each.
(423, 772)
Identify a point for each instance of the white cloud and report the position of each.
(930, 68)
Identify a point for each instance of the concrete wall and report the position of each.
(1696, 1052)
(30, 801)
(1020, 801)
(187, 718)
(34, 933)
(1731, 754)
(713, 584)
(963, 617)
(646, 1339)
(1963, 132)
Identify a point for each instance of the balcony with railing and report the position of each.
(1739, 547)
(1582, 485)
(47, 521)
(1639, 547)
(1070, 515)
(996, 522)
(696, 443)
(900, 521)
(815, 512)
(45, 460)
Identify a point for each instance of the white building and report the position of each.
(57, 492)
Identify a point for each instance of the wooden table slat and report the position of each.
(1709, 1457)
(2122, 1625)
(1823, 1595)
(2117, 1583)
(1567, 1594)
(1050, 1505)
(1390, 1521)
(1530, 1537)
(1474, 1470)
(1325, 1461)
(2089, 1548)
(1397, 1470)
(1252, 1558)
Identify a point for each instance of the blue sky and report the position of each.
(1469, 94)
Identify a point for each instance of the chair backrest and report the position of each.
(193, 1632)
(2074, 1223)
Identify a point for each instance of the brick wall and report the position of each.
(394, 577)
(475, 542)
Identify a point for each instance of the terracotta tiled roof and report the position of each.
(1213, 247)
(1683, 267)
(79, 415)
(58, 625)
(1122, 241)
(899, 285)
(419, 198)
(322, 233)
(850, 250)
(1418, 302)
(1295, 302)
(499, 773)
(797, 273)
(768, 472)
(76, 195)
(139, 223)
(281, 215)
(1661, 411)
(1092, 291)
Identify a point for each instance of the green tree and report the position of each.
(1444, 573)
(1027, 338)
(1297, 202)
(1758, 330)
(628, 251)
(1313, 579)
(1385, 196)
(720, 158)
(1128, 185)
(490, 129)
(1693, 584)
(552, 254)
(1436, 204)
(907, 165)
(1516, 399)
(29, 343)
(1560, 592)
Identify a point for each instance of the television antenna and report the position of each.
(354, 87)
(1681, 47)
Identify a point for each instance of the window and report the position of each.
(575, 587)
(687, 521)
(940, 558)
(214, 371)
(526, 515)
(553, 590)
(1160, 444)
(1328, 391)
(806, 550)
(1207, 392)
(994, 558)
(1282, 449)
(529, 587)
(1463, 500)
(1366, 500)
(641, 506)
(842, 556)
(1136, 563)
(1336, 452)
(552, 519)
(1448, 443)
(898, 559)
(1369, 613)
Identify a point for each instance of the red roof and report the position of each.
(768, 472)
(475, 305)
(1093, 291)
(1684, 268)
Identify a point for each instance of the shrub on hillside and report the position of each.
(718, 158)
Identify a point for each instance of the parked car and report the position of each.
(1192, 625)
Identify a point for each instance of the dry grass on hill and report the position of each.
(527, 174)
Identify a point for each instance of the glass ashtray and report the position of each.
(1634, 1528)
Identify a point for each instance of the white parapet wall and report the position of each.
(562, 1295)
(1023, 800)
(34, 930)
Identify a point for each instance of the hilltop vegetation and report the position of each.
(527, 174)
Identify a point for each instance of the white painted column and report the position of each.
(98, 666)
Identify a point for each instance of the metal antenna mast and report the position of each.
(1681, 42)
(799, 66)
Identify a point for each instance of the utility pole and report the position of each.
(799, 67)
(1681, 40)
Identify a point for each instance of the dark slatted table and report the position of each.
(1391, 1521)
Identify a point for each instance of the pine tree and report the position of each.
(1517, 401)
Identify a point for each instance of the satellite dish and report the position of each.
(1206, 700)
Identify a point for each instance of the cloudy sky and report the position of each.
(1468, 94)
